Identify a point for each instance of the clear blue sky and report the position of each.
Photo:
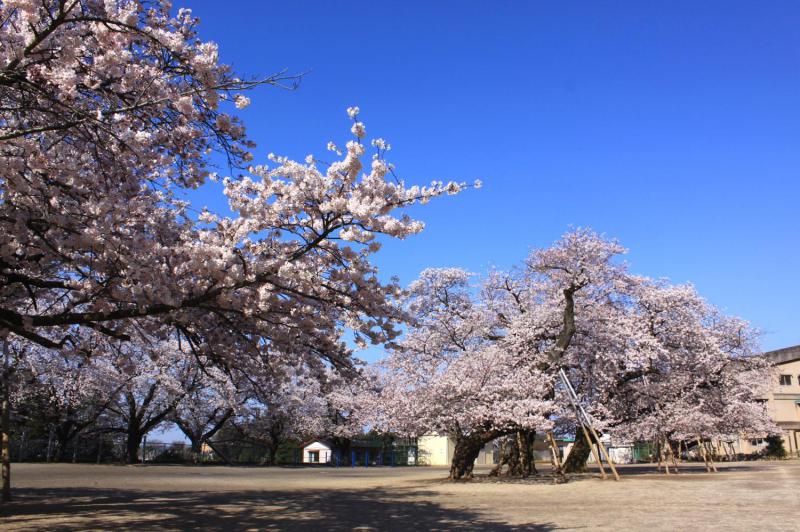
(673, 126)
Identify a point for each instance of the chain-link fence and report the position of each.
(108, 449)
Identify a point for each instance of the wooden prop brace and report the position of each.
(586, 424)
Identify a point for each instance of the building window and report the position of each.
(786, 380)
(313, 456)
(757, 442)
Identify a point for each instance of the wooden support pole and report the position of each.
(711, 460)
(604, 453)
(585, 421)
(594, 451)
(558, 470)
(662, 457)
(554, 448)
(219, 453)
(702, 449)
(657, 454)
(724, 447)
(671, 454)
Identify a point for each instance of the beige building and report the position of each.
(435, 450)
(783, 402)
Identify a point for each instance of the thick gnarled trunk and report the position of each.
(576, 459)
(466, 451)
(516, 455)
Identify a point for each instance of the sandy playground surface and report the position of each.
(742, 496)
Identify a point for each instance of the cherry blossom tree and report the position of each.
(109, 113)
(481, 362)
(452, 375)
(697, 374)
(71, 391)
(213, 397)
(151, 381)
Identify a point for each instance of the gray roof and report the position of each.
(782, 356)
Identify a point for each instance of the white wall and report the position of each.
(323, 450)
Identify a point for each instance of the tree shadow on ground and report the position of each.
(687, 468)
(120, 509)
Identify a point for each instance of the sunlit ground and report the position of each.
(742, 496)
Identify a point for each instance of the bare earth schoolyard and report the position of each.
(743, 496)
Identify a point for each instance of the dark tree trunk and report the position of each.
(525, 439)
(64, 436)
(197, 449)
(5, 425)
(132, 445)
(464, 455)
(508, 457)
(576, 459)
(516, 452)
(6, 449)
(273, 453)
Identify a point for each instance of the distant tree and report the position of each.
(70, 391)
(206, 407)
(775, 447)
(287, 404)
(149, 384)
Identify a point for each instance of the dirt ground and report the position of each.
(742, 496)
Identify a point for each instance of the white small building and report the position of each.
(317, 452)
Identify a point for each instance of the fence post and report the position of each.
(366, 458)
